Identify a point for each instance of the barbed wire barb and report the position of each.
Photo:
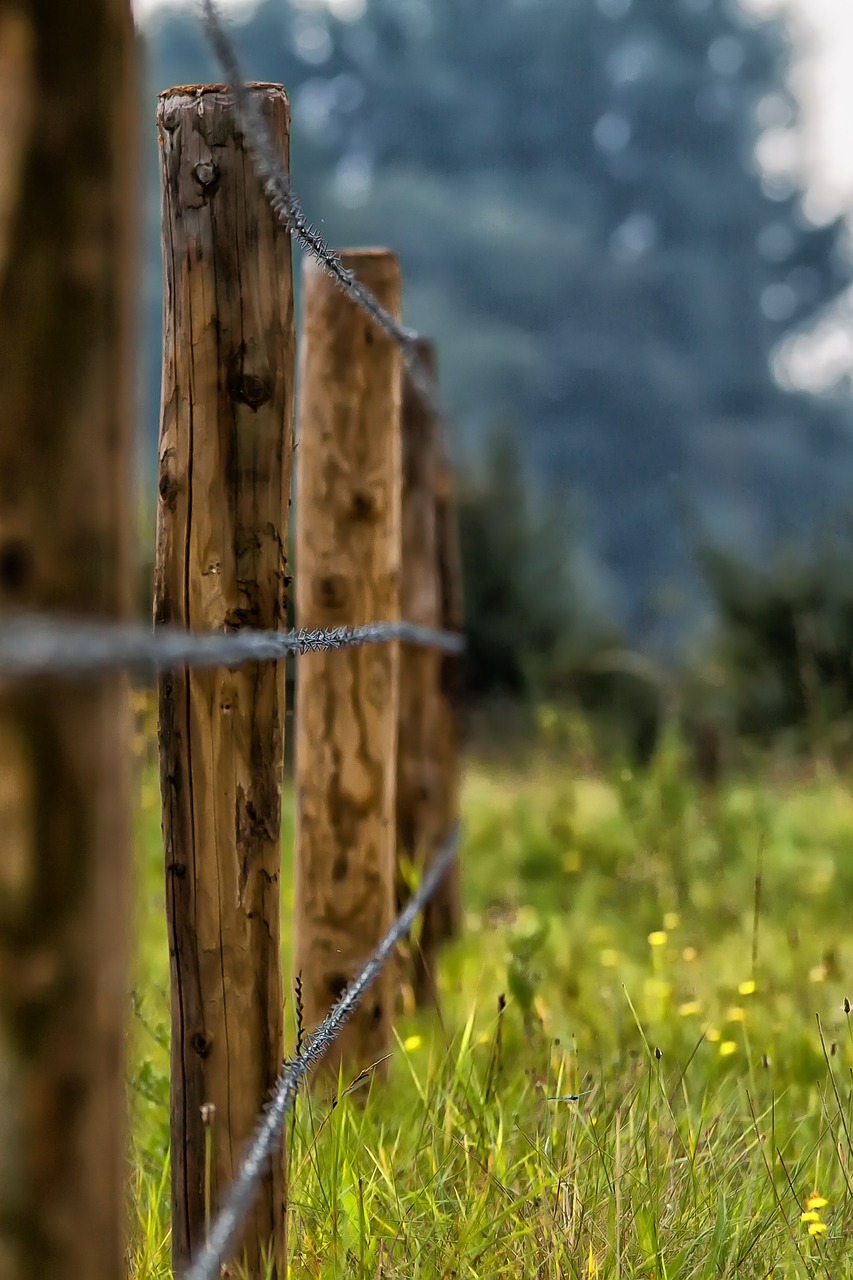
(241, 1194)
(288, 209)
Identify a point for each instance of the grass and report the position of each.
(676, 962)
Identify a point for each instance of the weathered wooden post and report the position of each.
(348, 558)
(421, 803)
(225, 465)
(67, 248)
(446, 905)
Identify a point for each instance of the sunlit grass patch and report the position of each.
(637, 1073)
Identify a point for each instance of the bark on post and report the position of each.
(67, 242)
(421, 817)
(348, 568)
(446, 905)
(225, 464)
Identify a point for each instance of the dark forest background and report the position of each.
(572, 188)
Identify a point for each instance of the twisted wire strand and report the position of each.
(241, 1194)
(288, 209)
(34, 645)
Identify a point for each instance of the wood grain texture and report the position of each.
(420, 808)
(225, 462)
(348, 558)
(67, 195)
(445, 908)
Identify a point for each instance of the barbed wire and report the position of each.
(288, 209)
(34, 645)
(243, 1189)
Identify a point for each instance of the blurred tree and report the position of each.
(525, 606)
(571, 187)
(784, 643)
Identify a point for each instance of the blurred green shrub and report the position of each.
(783, 648)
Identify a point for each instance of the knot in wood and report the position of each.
(365, 508)
(207, 176)
(16, 566)
(169, 115)
(252, 389)
(340, 867)
(332, 591)
(337, 983)
(201, 1044)
(167, 487)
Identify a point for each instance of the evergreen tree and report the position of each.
(571, 187)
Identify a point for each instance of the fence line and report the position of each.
(34, 645)
(276, 184)
(50, 646)
(268, 1135)
(287, 207)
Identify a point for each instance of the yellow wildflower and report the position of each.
(727, 1048)
(817, 1228)
(811, 1215)
(671, 920)
(688, 1009)
(818, 973)
(712, 1034)
(816, 1201)
(412, 1042)
(658, 938)
(735, 1014)
(747, 988)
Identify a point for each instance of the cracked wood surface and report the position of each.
(348, 572)
(225, 460)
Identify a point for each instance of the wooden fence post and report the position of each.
(421, 802)
(446, 905)
(67, 249)
(225, 464)
(348, 569)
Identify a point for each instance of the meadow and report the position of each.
(642, 1065)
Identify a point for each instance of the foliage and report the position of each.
(643, 1063)
(528, 609)
(784, 642)
(537, 623)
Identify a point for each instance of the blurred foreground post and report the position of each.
(67, 195)
(226, 443)
(421, 803)
(348, 569)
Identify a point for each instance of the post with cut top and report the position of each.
(348, 486)
(225, 460)
(422, 777)
(68, 189)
